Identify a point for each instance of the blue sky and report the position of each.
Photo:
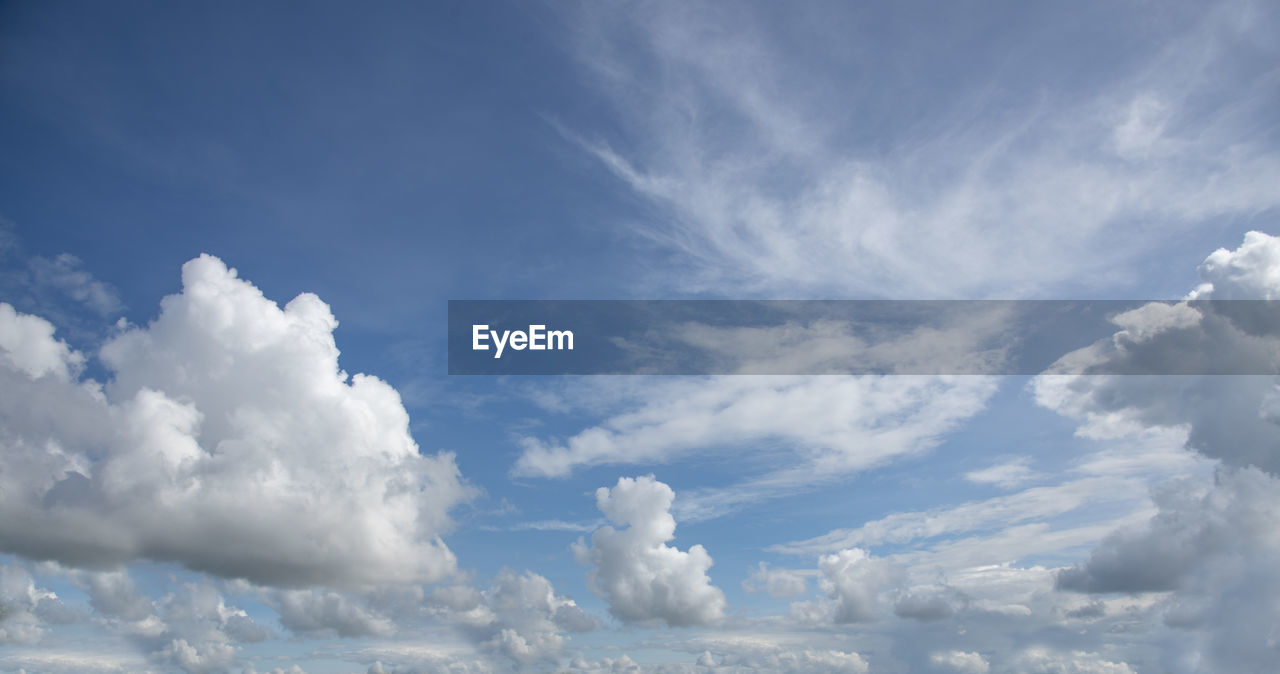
(195, 478)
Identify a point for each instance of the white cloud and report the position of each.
(993, 189)
(827, 427)
(227, 440)
(1231, 418)
(1047, 661)
(853, 580)
(641, 577)
(73, 662)
(1001, 513)
(961, 661)
(26, 610)
(191, 628)
(758, 654)
(27, 346)
(779, 583)
(1006, 475)
(62, 273)
(520, 616)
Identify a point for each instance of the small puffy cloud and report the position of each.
(641, 577)
(227, 439)
(960, 661)
(779, 583)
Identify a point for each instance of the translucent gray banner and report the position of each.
(820, 337)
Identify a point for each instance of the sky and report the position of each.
(229, 232)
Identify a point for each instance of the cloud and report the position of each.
(1217, 551)
(824, 428)
(1211, 549)
(1006, 475)
(992, 188)
(779, 583)
(520, 616)
(73, 662)
(227, 439)
(318, 613)
(960, 661)
(928, 604)
(192, 628)
(1047, 661)
(1232, 418)
(26, 610)
(62, 273)
(755, 654)
(641, 577)
(853, 580)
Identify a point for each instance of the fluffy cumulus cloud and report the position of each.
(853, 581)
(641, 577)
(226, 439)
(27, 610)
(322, 613)
(191, 628)
(520, 616)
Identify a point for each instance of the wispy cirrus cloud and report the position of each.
(762, 166)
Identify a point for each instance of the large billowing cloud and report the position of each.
(1232, 418)
(642, 577)
(226, 439)
(1213, 550)
(1217, 551)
